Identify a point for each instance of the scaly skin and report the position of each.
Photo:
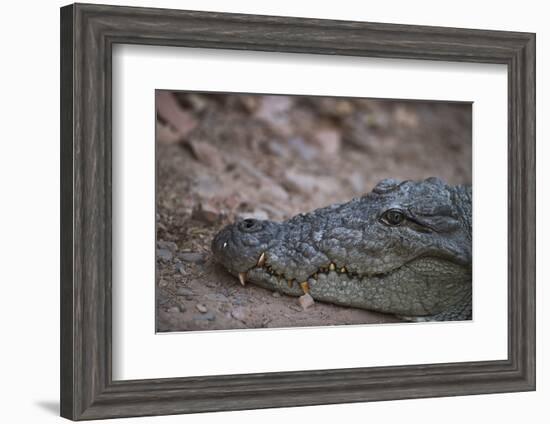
(405, 249)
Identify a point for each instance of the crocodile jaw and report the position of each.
(408, 290)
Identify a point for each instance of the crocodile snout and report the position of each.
(240, 247)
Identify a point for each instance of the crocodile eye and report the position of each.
(250, 225)
(393, 217)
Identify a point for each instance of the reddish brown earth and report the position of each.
(225, 157)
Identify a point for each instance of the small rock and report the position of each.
(270, 191)
(168, 245)
(343, 107)
(217, 297)
(174, 309)
(162, 300)
(201, 308)
(335, 107)
(243, 166)
(180, 268)
(238, 314)
(274, 111)
(163, 283)
(405, 117)
(239, 301)
(328, 141)
(231, 201)
(184, 291)
(193, 257)
(205, 317)
(206, 213)
(306, 301)
(299, 182)
(276, 294)
(277, 149)
(250, 103)
(206, 186)
(164, 255)
(295, 308)
(272, 105)
(304, 150)
(168, 108)
(166, 134)
(207, 154)
(196, 101)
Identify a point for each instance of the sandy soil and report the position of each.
(226, 157)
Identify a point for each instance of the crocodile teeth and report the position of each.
(242, 278)
(305, 287)
(261, 260)
(343, 269)
(290, 284)
(331, 267)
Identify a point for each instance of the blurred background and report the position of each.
(222, 157)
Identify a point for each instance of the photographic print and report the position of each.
(320, 195)
(277, 211)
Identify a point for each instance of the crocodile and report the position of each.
(404, 249)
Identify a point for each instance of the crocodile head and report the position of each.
(404, 248)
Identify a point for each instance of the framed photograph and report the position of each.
(264, 211)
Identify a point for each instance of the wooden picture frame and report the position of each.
(88, 33)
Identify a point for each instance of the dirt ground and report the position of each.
(225, 157)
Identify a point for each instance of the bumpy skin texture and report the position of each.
(405, 248)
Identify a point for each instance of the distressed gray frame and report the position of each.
(88, 33)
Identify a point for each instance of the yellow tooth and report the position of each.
(315, 276)
(261, 260)
(343, 269)
(305, 287)
(331, 267)
(290, 284)
(242, 278)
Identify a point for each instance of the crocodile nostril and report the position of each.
(250, 225)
